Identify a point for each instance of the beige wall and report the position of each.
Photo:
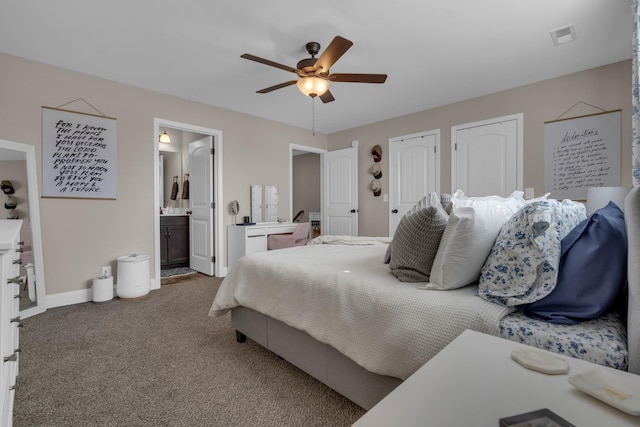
(306, 184)
(607, 87)
(82, 235)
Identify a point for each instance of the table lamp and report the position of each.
(599, 197)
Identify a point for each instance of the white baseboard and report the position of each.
(69, 298)
(84, 295)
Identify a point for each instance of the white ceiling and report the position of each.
(435, 52)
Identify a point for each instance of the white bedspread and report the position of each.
(344, 296)
(328, 239)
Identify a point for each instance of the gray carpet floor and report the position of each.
(161, 361)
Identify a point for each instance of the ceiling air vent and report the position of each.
(563, 35)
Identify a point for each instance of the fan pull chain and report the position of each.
(313, 115)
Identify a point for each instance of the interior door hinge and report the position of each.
(213, 259)
(213, 151)
(455, 146)
(434, 150)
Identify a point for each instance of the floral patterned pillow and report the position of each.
(523, 264)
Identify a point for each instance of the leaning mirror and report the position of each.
(19, 167)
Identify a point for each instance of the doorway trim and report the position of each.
(304, 148)
(217, 196)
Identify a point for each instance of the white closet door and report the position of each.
(486, 157)
(414, 172)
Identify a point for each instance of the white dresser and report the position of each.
(9, 315)
(247, 239)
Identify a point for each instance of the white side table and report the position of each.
(474, 382)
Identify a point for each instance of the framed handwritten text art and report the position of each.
(581, 152)
(78, 155)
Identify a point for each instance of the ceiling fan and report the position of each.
(315, 73)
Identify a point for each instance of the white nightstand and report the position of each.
(474, 382)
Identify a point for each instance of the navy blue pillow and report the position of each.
(592, 271)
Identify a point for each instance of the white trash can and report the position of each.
(133, 276)
(102, 289)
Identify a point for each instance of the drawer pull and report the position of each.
(13, 387)
(18, 320)
(256, 235)
(17, 261)
(20, 250)
(15, 280)
(12, 358)
(17, 296)
(21, 243)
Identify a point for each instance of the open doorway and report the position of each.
(162, 188)
(305, 186)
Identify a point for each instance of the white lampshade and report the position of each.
(599, 197)
(313, 86)
(164, 138)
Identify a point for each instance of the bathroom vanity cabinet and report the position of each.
(9, 315)
(174, 241)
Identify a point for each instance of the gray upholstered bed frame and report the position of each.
(319, 360)
(365, 388)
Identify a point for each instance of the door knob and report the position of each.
(394, 211)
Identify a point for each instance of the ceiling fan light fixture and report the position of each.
(164, 138)
(313, 86)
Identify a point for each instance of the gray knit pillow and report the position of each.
(416, 240)
(445, 201)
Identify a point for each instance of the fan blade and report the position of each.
(332, 53)
(268, 62)
(358, 78)
(326, 97)
(276, 87)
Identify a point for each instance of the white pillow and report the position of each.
(467, 240)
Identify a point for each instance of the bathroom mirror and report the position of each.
(264, 203)
(169, 166)
(21, 160)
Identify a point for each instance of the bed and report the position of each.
(337, 312)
